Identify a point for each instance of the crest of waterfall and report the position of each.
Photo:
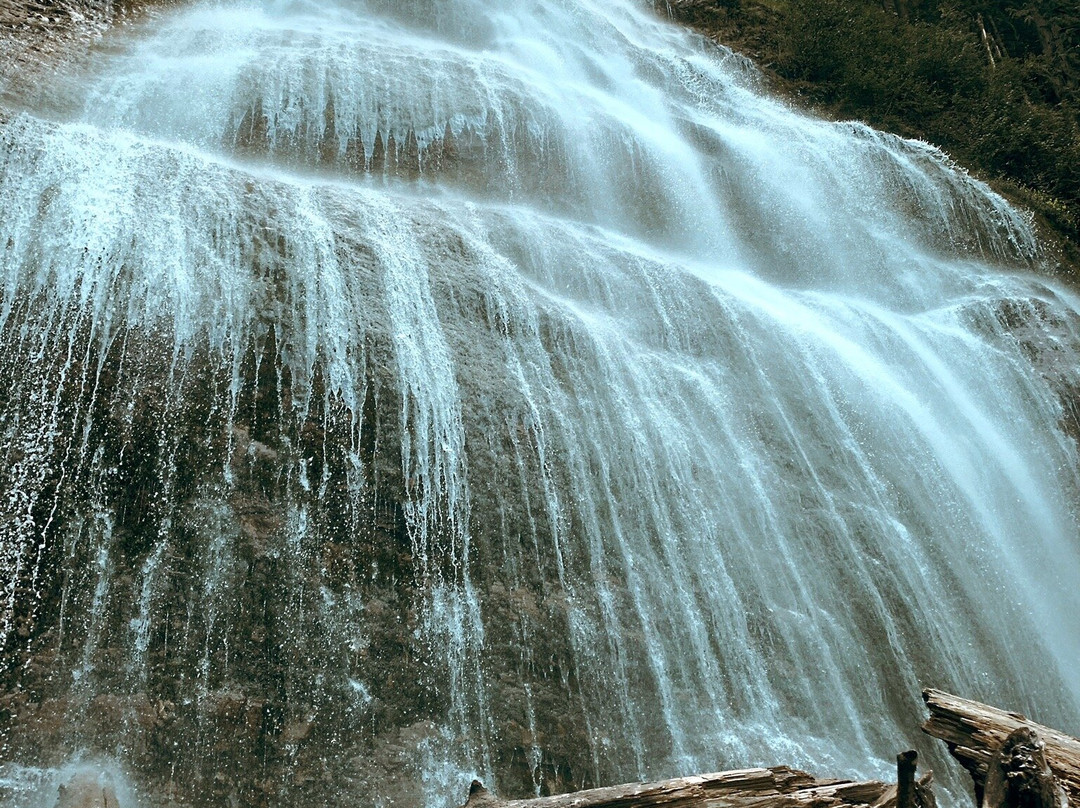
(396, 393)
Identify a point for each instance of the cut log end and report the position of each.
(906, 763)
(1019, 776)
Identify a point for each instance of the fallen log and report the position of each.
(778, 787)
(1020, 777)
(975, 734)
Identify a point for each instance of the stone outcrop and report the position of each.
(34, 34)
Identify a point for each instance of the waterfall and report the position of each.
(397, 392)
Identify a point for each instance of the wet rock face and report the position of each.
(1047, 342)
(192, 628)
(336, 469)
(36, 37)
(224, 572)
(84, 790)
(242, 621)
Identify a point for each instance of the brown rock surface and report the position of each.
(31, 33)
(86, 790)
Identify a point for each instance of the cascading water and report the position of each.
(405, 391)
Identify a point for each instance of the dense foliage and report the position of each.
(993, 83)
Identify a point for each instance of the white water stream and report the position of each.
(719, 430)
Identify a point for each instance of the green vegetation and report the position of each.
(992, 82)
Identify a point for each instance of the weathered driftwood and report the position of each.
(905, 779)
(975, 733)
(917, 793)
(779, 787)
(1020, 777)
